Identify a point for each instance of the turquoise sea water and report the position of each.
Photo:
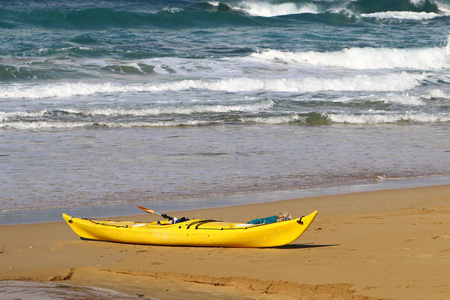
(106, 102)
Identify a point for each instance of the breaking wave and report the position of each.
(387, 118)
(291, 118)
(271, 9)
(435, 58)
(383, 9)
(402, 15)
(388, 82)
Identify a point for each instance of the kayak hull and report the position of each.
(196, 232)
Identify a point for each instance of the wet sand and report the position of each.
(392, 244)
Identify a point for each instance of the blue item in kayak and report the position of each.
(268, 220)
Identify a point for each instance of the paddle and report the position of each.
(151, 211)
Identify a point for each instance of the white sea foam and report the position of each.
(271, 9)
(403, 99)
(417, 2)
(61, 90)
(197, 109)
(23, 114)
(46, 125)
(389, 82)
(365, 58)
(387, 118)
(55, 290)
(369, 118)
(435, 94)
(214, 3)
(268, 9)
(172, 9)
(447, 47)
(42, 125)
(6, 116)
(402, 15)
(273, 120)
(389, 98)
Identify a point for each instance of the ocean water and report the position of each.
(122, 101)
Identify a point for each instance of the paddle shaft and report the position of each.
(151, 211)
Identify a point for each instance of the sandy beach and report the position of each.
(392, 244)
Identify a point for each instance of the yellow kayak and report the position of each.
(196, 232)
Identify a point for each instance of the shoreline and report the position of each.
(387, 244)
(169, 205)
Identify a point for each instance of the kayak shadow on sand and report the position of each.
(307, 245)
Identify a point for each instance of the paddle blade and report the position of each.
(147, 210)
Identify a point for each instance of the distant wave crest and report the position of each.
(404, 9)
(272, 9)
(213, 13)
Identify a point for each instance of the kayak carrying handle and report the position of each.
(300, 221)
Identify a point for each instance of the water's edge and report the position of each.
(168, 205)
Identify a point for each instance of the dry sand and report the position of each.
(391, 244)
